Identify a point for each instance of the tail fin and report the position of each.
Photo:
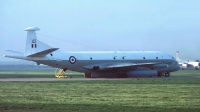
(34, 47)
(32, 44)
(177, 56)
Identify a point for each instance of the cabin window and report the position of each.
(51, 54)
(156, 57)
(32, 45)
(114, 58)
(91, 58)
(35, 45)
(143, 57)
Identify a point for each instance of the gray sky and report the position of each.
(89, 25)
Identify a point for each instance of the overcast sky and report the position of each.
(108, 25)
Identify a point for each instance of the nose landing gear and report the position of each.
(167, 74)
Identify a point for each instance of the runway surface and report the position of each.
(89, 79)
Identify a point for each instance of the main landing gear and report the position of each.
(167, 74)
(88, 75)
(197, 68)
(121, 75)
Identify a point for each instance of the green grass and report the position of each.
(108, 96)
(160, 95)
(186, 73)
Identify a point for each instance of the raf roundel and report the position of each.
(72, 59)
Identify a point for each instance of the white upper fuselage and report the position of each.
(83, 60)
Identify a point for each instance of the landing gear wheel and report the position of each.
(125, 75)
(122, 75)
(159, 74)
(88, 75)
(167, 74)
(118, 75)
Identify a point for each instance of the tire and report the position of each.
(122, 75)
(167, 74)
(118, 75)
(88, 75)
(159, 74)
(125, 75)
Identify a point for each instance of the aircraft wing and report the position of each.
(110, 66)
(124, 65)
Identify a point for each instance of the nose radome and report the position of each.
(175, 66)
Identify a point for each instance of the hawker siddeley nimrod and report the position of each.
(120, 64)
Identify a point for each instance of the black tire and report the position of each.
(118, 75)
(167, 74)
(159, 74)
(125, 75)
(122, 75)
(88, 75)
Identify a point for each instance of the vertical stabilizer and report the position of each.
(177, 56)
(32, 44)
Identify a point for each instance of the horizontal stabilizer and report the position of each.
(43, 53)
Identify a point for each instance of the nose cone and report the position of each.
(175, 66)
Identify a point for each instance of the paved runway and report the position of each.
(86, 79)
